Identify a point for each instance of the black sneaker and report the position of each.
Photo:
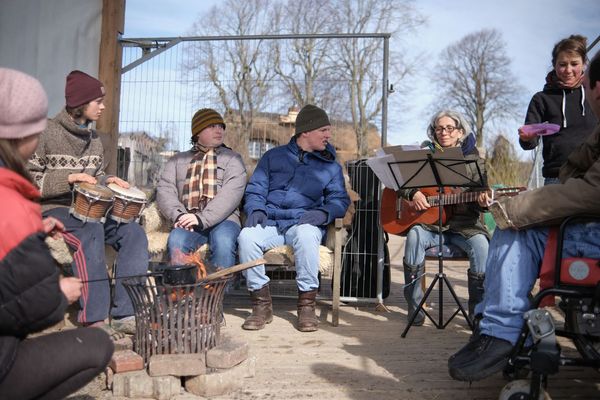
(480, 358)
(465, 351)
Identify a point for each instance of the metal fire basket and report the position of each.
(176, 319)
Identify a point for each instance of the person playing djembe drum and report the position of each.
(70, 157)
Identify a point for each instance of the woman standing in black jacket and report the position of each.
(562, 102)
(33, 294)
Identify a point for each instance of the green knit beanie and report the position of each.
(311, 118)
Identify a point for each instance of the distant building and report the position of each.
(270, 130)
(139, 158)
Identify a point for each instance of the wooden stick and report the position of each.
(232, 270)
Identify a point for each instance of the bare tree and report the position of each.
(302, 63)
(360, 60)
(474, 77)
(237, 69)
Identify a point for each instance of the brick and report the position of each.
(227, 354)
(177, 364)
(165, 387)
(124, 344)
(218, 383)
(139, 384)
(126, 360)
(133, 384)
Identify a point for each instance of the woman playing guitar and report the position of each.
(462, 228)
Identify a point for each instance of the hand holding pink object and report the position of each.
(528, 132)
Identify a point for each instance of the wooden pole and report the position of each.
(232, 270)
(113, 25)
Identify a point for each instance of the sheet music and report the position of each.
(379, 165)
(412, 169)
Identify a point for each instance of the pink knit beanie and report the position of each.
(23, 105)
(82, 88)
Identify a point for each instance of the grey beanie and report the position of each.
(311, 118)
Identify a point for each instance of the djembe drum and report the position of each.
(128, 204)
(90, 202)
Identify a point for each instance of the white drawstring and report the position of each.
(582, 101)
(564, 101)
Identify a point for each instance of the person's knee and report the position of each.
(308, 234)
(246, 239)
(414, 235)
(101, 347)
(177, 239)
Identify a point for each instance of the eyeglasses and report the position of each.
(448, 128)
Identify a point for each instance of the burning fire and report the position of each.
(194, 258)
(181, 258)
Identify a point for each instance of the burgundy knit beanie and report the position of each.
(23, 105)
(82, 88)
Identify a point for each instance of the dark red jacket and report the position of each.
(30, 295)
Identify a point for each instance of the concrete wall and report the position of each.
(49, 38)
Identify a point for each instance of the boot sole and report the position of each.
(256, 327)
(311, 329)
(458, 375)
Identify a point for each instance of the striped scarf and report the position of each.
(201, 180)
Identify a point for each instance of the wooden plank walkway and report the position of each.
(365, 357)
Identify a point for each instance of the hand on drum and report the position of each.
(71, 288)
(186, 221)
(117, 181)
(81, 177)
(53, 227)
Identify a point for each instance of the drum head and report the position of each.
(89, 189)
(131, 193)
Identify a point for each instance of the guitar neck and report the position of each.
(454, 198)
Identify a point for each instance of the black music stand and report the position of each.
(442, 168)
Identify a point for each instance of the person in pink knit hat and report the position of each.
(33, 294)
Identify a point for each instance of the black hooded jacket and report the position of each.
(567, 108)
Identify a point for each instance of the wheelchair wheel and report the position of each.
(582, 320)
(519, 390)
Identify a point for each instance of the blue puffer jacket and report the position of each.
(288, 181)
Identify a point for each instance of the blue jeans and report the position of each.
(419, 239)
(513, 267)
(305, 240)
(89, 263)
(221, 240)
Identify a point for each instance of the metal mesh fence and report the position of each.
(256, 83)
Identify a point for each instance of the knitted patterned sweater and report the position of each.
(64, 148)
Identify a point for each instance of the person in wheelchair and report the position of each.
(517, 248)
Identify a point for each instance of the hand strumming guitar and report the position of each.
(419, 201)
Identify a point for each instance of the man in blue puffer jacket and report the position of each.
(295, 191)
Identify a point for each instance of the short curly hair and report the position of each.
(458, 118)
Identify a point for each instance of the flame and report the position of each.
(194, 258)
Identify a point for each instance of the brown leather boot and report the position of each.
(262, 309)
(307, 320)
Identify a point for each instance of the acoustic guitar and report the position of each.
(398, 216)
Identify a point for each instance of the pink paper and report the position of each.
(540, 129)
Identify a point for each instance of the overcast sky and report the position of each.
(530, 28)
